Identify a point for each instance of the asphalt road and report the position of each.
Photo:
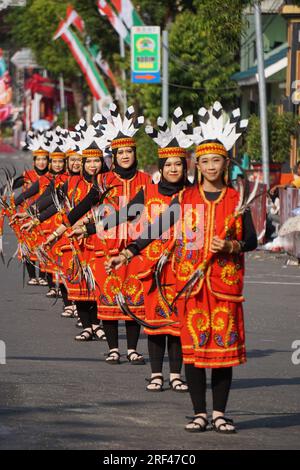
(58, 394)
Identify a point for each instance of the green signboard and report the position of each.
(145, 54)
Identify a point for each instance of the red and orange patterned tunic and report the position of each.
(126, 278)
(65, 250)
(156, 310)
(212, 325)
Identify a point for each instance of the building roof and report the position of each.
(274, 62)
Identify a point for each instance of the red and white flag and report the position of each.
(74, 18)
(106, 10)
(85, 62)
(104, 66)
(127, 13)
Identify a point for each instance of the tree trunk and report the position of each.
(78, 97)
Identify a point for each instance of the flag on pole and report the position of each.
(127, 13)
(85, 62)
(74, 18)
(103, 64)
(106, 10)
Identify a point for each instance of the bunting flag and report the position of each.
(74, 18)
(127, 13)
(104, 66)
(106, 10)
(85, 62)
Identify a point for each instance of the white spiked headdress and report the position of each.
(119, 132)
(56, 143)
(37, 144)
(90, 141)
(221, 133)
(171, 140)
(70, 142)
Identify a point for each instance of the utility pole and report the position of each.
(262, 94)
(63, 100)
(122, 54)
(165, 77)
(292, 100)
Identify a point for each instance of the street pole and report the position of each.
(62, 100)
(165, 76)
(122, 54)
(262, 94)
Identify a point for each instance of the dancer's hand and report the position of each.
(18, 215)
(78, 232)
(115, 262)
(101, 233)
(28, 225)
(49, 241)
(218, 245)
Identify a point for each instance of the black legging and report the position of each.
(42, 274)
(32, 270)
(87, 312)
(111, 332)
(220, 383)
(157, 346)
(49, 278)
(64, 294)
(30, 266)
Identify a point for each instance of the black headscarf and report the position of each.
(165, 187)
(124, 173)
(41, 172)
(73, 173)
(61, 172)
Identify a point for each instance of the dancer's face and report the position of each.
(173, 170)
(125, 157)
(41, 162)
(212, 167)
(74, 163)
(93, 165)
(57, 164)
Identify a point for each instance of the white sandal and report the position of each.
(69, 312)
(33, 282)
(51, 293)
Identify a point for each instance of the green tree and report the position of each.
(204, 39)
(33, 26)
(281, 127)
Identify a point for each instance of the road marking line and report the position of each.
(273, 282)
(272, 275)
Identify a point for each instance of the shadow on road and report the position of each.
(264, 382)
(254, 353)
(278, 420)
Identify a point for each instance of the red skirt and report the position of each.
(212, 331)
(156, 310)
(125, 280)
(79, 290)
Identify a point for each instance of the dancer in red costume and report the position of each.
(212, 242)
